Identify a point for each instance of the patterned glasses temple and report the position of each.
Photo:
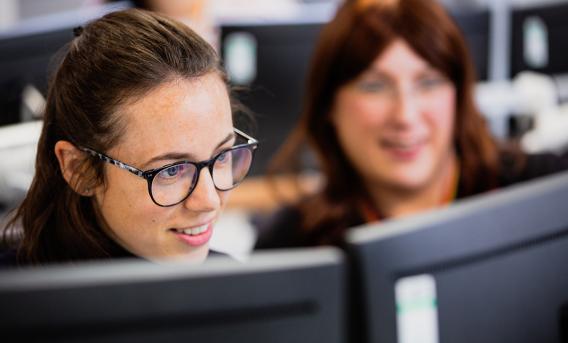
(141, 173)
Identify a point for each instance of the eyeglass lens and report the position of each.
(174, 183)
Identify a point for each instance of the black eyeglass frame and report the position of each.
(149, 175)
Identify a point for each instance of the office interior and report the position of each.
(521, 60)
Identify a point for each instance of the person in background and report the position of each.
(390, 115)
(194, 13)
(138, 150)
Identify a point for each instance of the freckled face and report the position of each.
(179, 120)
(395, 121)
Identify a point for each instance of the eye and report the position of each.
(373, 85)
(173, 172)
(430, 82)
(224, 157)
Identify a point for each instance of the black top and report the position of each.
(283, 230)
(8, 258)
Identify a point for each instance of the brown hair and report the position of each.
(114, 59)
(360, 31)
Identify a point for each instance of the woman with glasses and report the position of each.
(390, 114)
(138, 151)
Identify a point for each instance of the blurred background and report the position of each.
(518, 47)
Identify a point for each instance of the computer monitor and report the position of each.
(538, 39)
(24, 60)
(476, 29)
(288, 296)
(489, 269)
(280, 56)
(28, 54)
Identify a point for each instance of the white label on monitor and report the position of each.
(240, 57)
(535, 42)
(416, 309)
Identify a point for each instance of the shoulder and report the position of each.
(530, 166)
(280, 229)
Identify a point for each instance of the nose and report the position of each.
(204, 197)
(406, 107)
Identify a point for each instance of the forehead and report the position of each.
(399, 57)
(180, 115)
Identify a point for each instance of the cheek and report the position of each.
(441, 115)
(224, 197)
(121, 188)
(359, 113)
(125, 203)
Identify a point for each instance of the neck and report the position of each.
(396, 202)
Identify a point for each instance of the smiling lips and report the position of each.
(195, 236)
(403, 150)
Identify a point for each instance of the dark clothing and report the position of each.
(283, 228)
(536, 165)
(8, 258)
(216, 253)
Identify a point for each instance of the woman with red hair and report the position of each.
(390, 115)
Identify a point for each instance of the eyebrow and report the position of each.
(183, 155)
(377, 72)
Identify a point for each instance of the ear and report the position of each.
(70, 160)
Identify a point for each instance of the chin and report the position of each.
(407, 182)
(196, 255)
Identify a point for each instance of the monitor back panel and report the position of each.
(498, 263)
(290, 303)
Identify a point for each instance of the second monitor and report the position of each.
(489, 269)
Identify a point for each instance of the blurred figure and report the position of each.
(194, 13)
(390, 114)
(138, 150)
